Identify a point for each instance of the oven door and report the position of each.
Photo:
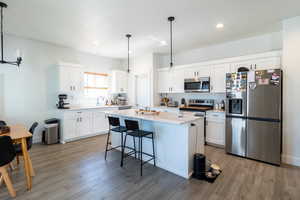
(192, 85)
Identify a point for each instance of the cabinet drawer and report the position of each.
(70, 115)
(215, 115)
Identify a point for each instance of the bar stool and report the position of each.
(133, 130)
(114, 125)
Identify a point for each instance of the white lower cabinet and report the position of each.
(215, 128)
(100, 122)
(84, 123)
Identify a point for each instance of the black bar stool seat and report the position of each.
(139, 133)
(120, 129)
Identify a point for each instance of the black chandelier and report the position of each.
(171, 19)
(2, 61)
(128, 52)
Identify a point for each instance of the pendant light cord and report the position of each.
(128, 52)
(2, 54)
(128, 56)
(171, 19)
(171, 44)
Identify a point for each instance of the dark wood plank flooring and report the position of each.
(77, 171)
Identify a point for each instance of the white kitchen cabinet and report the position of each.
(70, 79)
(84, 123)
(268, 63)
(100, 122)
(236, 65)
(218, 78)
(197, 72)
(70, 128)
(164, 81)
(177, 81)
(215, 128)
(258, 64)
(171, 81)
(76, 124)
(119, 81)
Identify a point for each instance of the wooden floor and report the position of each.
(78, 171)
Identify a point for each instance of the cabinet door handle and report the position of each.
(255, 66)
(71, 88)
(74, 88)
(192, 124)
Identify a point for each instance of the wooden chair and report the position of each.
(18, 148)
(7, 155)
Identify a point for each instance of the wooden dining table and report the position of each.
(19, 134)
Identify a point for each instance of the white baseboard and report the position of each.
(292, 160)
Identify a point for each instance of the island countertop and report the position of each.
(165, 117)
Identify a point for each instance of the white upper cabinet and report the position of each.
(70, 79)
(197, 72)
(164, 81)
(218, 78)
(119, 81)
(171, 81)
(177, 81)
(259, 63)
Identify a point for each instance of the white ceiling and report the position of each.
(82, 23)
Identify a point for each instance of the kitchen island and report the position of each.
(177, 139)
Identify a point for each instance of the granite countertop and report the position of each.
(86, 107)
(165, 117)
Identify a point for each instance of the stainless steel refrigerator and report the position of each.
(253, 115)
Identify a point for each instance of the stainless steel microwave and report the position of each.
(197, 85)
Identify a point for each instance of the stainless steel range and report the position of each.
(253, 115)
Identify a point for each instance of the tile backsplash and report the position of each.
(218, 97)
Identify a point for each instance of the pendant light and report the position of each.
(128, 52)
(2, 61)
(171, 19)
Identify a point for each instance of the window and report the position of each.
(95, 84)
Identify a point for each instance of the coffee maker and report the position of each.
(61, 103)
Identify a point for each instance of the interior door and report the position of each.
(264, 141)
(235, 142)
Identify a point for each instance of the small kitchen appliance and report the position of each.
(197, 85)
(61, 103)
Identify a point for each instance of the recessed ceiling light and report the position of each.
(96, 43)
(163, 43)
(220, 25)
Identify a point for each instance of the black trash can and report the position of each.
(199, 166)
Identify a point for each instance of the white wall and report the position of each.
(23, 94)
(291, 95)
(252, 45)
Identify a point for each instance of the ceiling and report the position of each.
(99, 26)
